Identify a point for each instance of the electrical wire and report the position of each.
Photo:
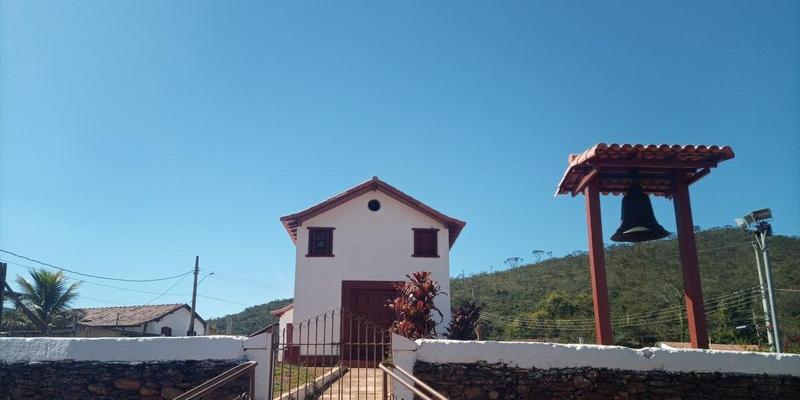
(83, 281)
(652, 314)
(656, 319)
(94, 276)
(247, 280)
(261, 286)
(735, 299)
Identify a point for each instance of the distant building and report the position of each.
(148, 320)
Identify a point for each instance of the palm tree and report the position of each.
(49, 293)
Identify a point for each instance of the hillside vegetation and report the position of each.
(250, 320)
(552, 299)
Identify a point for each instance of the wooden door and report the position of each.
(366, 319)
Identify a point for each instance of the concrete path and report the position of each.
(357, 384)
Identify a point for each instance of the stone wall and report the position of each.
(480, 380)
(110, 380)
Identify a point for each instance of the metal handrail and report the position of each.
(385, 367)
(218, 381)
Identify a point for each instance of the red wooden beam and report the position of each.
(597, 264)
(698, 175)
(585, 181)
(692, 288)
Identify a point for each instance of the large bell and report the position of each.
(638, 221)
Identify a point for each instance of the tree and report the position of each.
(414, 305)
(48, 294)
(513, 262)
(465, 320)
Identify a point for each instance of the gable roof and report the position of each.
(292, 221)
(127, 315)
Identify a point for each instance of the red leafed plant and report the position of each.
(414, 305)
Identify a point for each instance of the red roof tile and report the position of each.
(292, 221)
(126, 315)
(280, 311)
(653, 163)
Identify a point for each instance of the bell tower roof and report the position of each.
(616, 166)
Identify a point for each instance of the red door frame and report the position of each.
(346, 327)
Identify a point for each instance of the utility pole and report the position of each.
(473, 292)
(194, 296)
(761, 238)
(757, 223)
(762, 292)
(2, 289)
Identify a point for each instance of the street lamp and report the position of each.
(757, 223)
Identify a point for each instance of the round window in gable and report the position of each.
(374, 205)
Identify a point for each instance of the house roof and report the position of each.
(267, 329)
(614, 165)
(127, 315)
(712, 346)
(280, 311)
(292, 221)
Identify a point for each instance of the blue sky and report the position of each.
(135, 135)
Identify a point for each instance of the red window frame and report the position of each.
(421, 234)
(313, 251)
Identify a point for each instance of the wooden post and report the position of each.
(597, 265)
(692, 288)
(2, 289)
(190, 332)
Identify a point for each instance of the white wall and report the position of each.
(178, 321)
(367, 245)
(121, 349)
(145, 349)
(286, 318)
(551, 355)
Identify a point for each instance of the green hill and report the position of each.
(250, 320)
(552, 299)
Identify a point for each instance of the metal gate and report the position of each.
(334, 355)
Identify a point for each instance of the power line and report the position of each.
(261, 286)
(652, 314)
(531, 324)
(91, 275)
(246, 280)
(582, 325)
(166, 291)
(167, 294)
(733, 299)
(82, 281)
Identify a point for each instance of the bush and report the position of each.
(414, 305)
(465, 320)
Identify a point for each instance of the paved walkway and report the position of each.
(357, 384)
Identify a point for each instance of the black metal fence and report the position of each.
(333, 355)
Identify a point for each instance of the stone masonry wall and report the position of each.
(110, 380)
(478, 381)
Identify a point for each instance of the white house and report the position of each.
(146, 320)
(352, 248)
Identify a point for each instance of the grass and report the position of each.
(299, 375)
